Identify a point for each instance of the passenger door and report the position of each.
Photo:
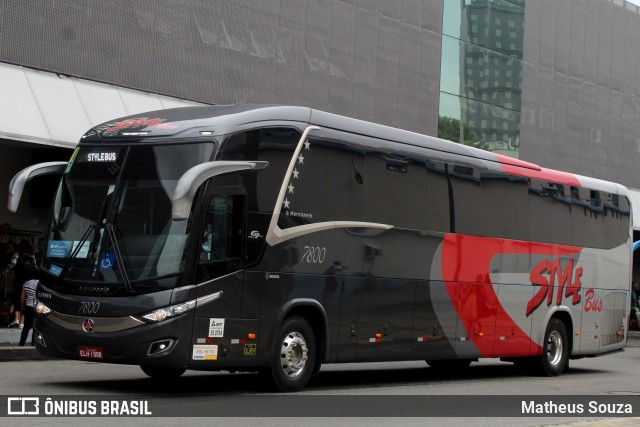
(219, 266)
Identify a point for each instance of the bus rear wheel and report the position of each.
(294, 355)
(162, 373)
(555, 351)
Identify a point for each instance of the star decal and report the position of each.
(286, 204)
(291, 187)
(307, 145)
(301, 159)
(295, 173)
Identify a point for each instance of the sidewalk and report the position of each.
(9, 349)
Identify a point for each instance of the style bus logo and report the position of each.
(550, 275)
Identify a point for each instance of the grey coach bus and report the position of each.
(275, 239)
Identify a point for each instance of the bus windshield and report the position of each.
(127, 189)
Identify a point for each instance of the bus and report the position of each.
(275, 239)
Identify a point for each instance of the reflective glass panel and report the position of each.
(479, 125)
(480, 74)
(497, 25)
(481, 67)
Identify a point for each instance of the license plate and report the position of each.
(94, 353)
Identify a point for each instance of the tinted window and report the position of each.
(396, 190)
(549, 212)
(587, 217)
(274, 145)
(222, 236)
(616, 219)
(507, 201)
(437, 198)
(489, 203)
(327, 184)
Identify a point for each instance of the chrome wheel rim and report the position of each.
(554, 348)
(293, 354)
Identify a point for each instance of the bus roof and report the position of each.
(189, 122)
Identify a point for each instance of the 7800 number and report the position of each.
(88, 307)
(314, 254)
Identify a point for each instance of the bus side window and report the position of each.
(396, 190)
(489, 203)
(616, 219)
(274, 145)
(221, 238)
(587, 217)
(549, 212)
(439, 215)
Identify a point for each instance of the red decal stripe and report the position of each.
(520, 168)
(465, 268)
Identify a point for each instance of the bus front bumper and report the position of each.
(115, 340)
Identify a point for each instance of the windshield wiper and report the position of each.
(64, 215)
(119, 259)
(75, 252)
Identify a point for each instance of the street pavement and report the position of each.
(10, 351)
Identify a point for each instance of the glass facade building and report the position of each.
(550, 82)
(481, 73)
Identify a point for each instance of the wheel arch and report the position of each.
(562, 313)
(313, 312)
(565, 317)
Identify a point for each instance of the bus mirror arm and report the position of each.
(192, 179)
(16, 187)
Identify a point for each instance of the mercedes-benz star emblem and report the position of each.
(87, 326)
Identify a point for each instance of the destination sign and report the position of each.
(102, 157)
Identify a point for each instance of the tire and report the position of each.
(294, 355)
(316, 370)
(162, 373)
(555, 350)
(453, 364)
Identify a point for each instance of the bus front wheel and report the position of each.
(294, 355)
(162, 373)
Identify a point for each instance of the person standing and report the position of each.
(27, 302)
(22, 263)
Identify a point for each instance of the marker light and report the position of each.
(42, 309)
(183, 308)
(251, 336)
(157, 316)
(135, 133)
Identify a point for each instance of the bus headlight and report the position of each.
(161, 314)
(42, 309)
